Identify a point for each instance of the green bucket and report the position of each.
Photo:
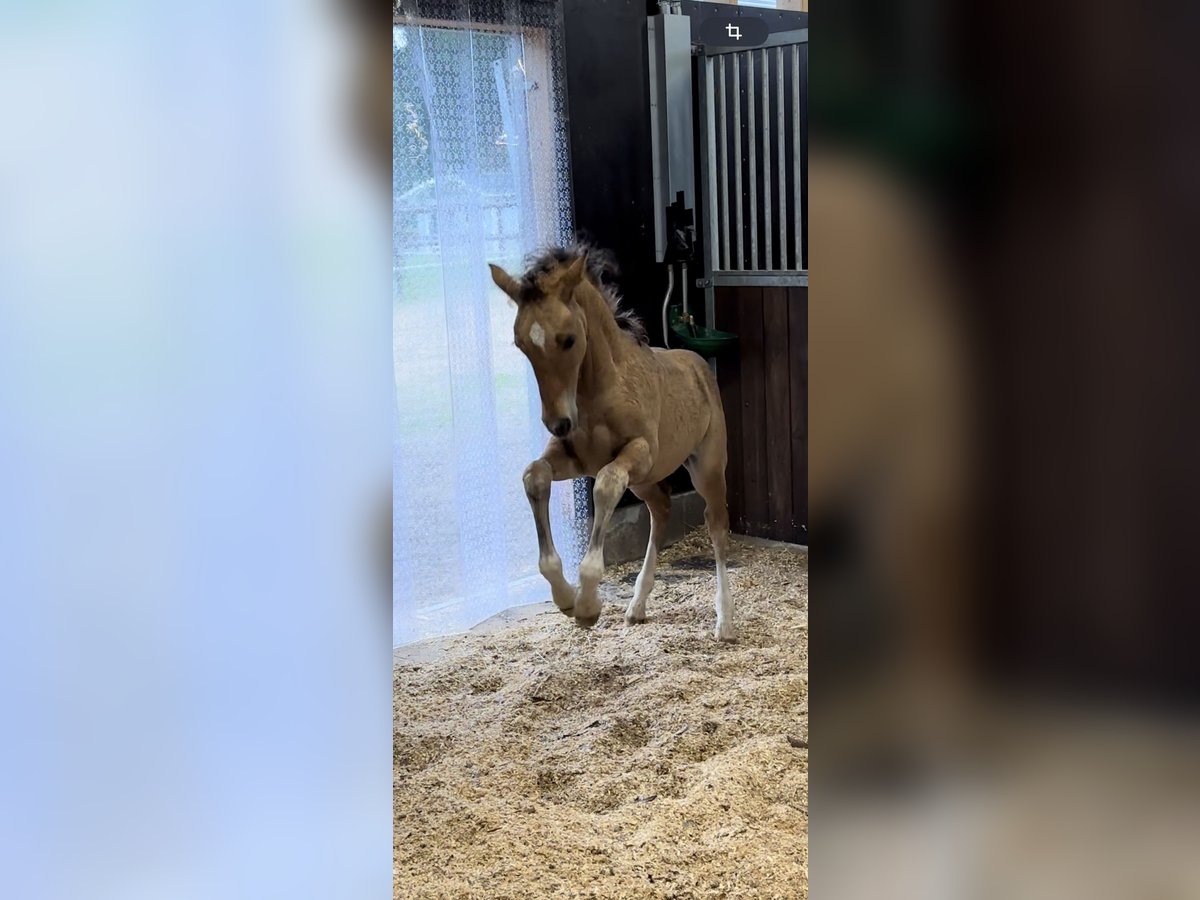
(702, 340)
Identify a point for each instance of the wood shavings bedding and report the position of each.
(542, 760)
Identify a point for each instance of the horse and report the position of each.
(619, 411)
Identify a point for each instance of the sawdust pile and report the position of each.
(543, 760)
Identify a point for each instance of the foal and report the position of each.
(620, 411)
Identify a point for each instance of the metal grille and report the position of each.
(753, 159)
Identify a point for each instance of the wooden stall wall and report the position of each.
(764, 389)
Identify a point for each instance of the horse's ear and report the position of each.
(505, 282)
(575, 272)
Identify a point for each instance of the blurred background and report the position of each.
(195, 351)
(1004, 608)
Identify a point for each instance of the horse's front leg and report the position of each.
(553, 465)
(632, 464)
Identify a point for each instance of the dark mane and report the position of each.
(601, 265)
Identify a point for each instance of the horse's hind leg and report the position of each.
(554, 465)
(658, 501)
(707, 468)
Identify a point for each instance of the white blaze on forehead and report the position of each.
(538, 336)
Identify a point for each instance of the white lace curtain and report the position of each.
(480, 175)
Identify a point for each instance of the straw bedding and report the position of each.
(546, 761)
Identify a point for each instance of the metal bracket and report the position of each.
(703, 283)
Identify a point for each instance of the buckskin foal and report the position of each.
(618, 410)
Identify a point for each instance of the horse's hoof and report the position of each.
(635, 620)
(568, 611)
(587, 622)
(725, 634)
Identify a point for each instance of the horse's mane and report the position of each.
(601, 265)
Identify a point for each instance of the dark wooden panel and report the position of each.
(754, 447)
(798, 413)
(777, 414)
(764, 389)
(729, 376)
(608, 119)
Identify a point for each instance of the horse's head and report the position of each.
(551, 330)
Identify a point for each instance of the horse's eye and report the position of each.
(568, 342)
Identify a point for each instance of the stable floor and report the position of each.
(534, 759)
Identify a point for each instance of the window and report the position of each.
(479, 175)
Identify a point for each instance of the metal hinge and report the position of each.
(703, 283)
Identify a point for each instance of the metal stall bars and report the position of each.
(751, 178)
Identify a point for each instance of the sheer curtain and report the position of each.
(480, 175)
